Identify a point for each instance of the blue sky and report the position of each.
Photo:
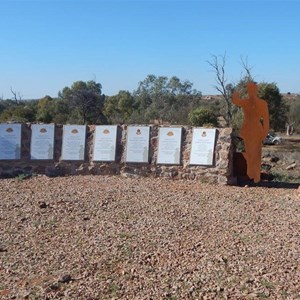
(46, 45)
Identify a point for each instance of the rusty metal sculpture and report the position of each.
(254, 129)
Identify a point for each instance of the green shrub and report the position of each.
(203, 117)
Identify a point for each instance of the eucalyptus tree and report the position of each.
(119, 108)
(166, 100)
(278, 109)
(226, 88)
(85, 101)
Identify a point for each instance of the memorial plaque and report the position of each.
(203, 145)
(137, 144)
(10, 141)
(105, 143)
(73, 144)
(42, 141)
(169, 146)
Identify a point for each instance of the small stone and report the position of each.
(43, 205)
(54, 286)
(292, 166)
(65, 278)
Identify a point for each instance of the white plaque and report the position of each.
(137, 145)
(73, 143)
(10, 141)
(169, 146)
(105, 143)
(203, 145)
(42, 141)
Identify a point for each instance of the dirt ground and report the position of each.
(100, 237)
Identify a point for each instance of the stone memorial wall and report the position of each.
(177, 152)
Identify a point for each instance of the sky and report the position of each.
(46, 45)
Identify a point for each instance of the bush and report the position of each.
(203, 117)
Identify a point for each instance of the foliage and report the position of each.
(237, 119)
(23, 176)
(62, 114)
(231, 114)
(202, 116)
(2, 106)
(277, 107)
(45, 110)
(294, 114)
(157, 99)
(53, 110)
(281, 176)
(119, 108)
(23, 111)
(85, 102)
(270, 93)
(165, 100)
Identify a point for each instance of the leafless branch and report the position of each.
(16, 97)
(218, 67)
(245, 65)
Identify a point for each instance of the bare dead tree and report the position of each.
(16, 96)
(244, 63)
(217, 63)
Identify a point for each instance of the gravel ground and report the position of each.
(98, 237)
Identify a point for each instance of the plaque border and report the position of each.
(180, 146)
(137, 162)
(62, 144)
(53, 140)
(115, 140)
(214, 146)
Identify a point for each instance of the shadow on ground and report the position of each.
(269, 184)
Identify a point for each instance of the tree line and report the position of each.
(157, 99)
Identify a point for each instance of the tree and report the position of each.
(2, 106)
(119, 108)
(166, 100)
(269, 92)
(62, 113)
(231, 113)
(45, 110)
(202, 116)
(278, 109)
(241, 86)
(218, 66)
(55, 110)
(22, 112)
(16, 96)
(86, 101)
